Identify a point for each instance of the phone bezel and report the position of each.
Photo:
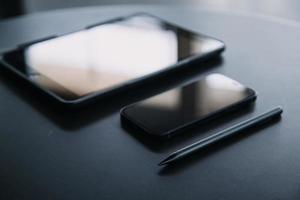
(125, 118)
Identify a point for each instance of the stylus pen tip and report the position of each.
(162, 163)
(167, 160)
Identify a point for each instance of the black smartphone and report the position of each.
(175, 110)
(104, 58)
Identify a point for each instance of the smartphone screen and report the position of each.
(107, 55)
(169, 111)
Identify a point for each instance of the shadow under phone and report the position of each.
(160, 146)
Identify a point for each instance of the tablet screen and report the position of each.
(110, 54)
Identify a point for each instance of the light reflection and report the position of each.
(108, 55)
(85, 64)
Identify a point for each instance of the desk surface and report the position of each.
(47, 153)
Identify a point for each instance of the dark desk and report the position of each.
(46, 153)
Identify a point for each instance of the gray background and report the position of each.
(46, 153)
(282, 8)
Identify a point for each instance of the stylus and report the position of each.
(219, 136)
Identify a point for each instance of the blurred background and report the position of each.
(280, 8)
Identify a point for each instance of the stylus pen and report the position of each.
(235, 129)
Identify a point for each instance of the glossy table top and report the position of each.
(50, 153)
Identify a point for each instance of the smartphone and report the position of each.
(104, 58)
(175, 110)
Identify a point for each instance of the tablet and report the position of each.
(102, 59)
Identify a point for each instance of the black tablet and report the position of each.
(104, 58)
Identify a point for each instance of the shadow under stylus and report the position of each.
(184, 163)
